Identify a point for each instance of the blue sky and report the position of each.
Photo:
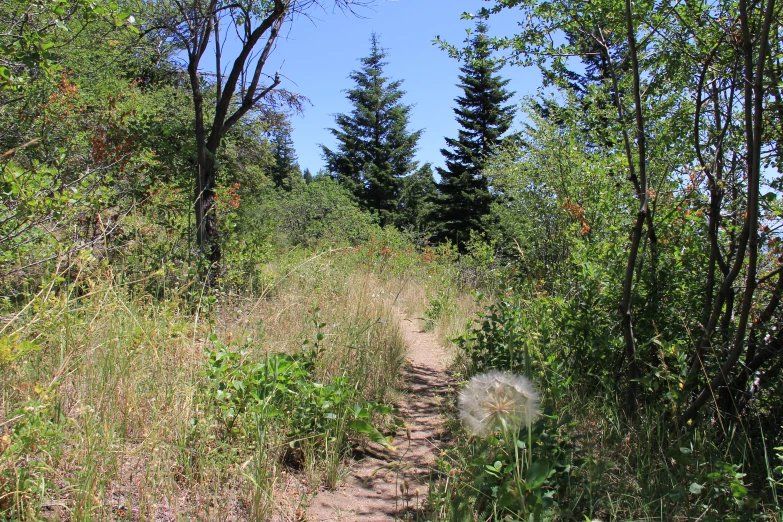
(316, 56)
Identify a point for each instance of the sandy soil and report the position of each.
(384, 485)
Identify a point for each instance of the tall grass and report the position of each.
(604, 465)
(104, 416)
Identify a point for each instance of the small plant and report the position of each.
(26, 455)
(511, 467)
(717, 490)
(249, 397)
(439, 305)
(517, 475)
(503, 338)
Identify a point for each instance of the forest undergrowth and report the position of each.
(120, 406)
(193, 327)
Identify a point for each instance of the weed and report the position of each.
(438, 307)
(501, 475)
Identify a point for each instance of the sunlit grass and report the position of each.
(116, 382)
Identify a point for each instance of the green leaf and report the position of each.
(384, 409)
(738, 490)
(676, 495)
(696, 488)
(271, 411)
(371, 431)
(360, 426)
(537, 473)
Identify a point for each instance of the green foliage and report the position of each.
(12, 348)
(417, 201)
(716, 490)
(31, 32)
(319, 213)
(375, 149)
(560, 200)
(494, 478)
(27, 455)
(283, 386)
(95, 156)
(503, 337)
(465, 196)
(439, 305)
(285, 173)
(480, 265)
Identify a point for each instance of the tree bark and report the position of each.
(626, 305)
(199, 29)
(754, 125)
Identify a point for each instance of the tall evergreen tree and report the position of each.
(465, 192)
(285, 171)
(375, 149)
(416, 200)
(308, 176)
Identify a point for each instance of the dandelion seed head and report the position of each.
(497, 399)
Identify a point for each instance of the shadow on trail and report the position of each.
(392, 485)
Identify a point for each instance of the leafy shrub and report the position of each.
(493, 478)
(283, 387)
(479, 261)
(26, 455)
(439, 305)
(503, 338)
(321, 212)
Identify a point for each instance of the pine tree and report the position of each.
(465, 192)
(375, 150)
(416, 201)
(285, 171)
(308, 176)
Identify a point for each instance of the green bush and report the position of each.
(319, 213)
(283, 387)
(506, 336)
(27, 455)
(493, 478)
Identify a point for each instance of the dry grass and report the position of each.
(113, 395)
(458, 318)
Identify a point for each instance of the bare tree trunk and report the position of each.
(204, 197)
(626, 305)
(754, 125)
(201, 23)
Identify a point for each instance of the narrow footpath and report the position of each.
(387, 485)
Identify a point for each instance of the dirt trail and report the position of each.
(375, 490)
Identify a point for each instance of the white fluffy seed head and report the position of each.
(497, 399)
